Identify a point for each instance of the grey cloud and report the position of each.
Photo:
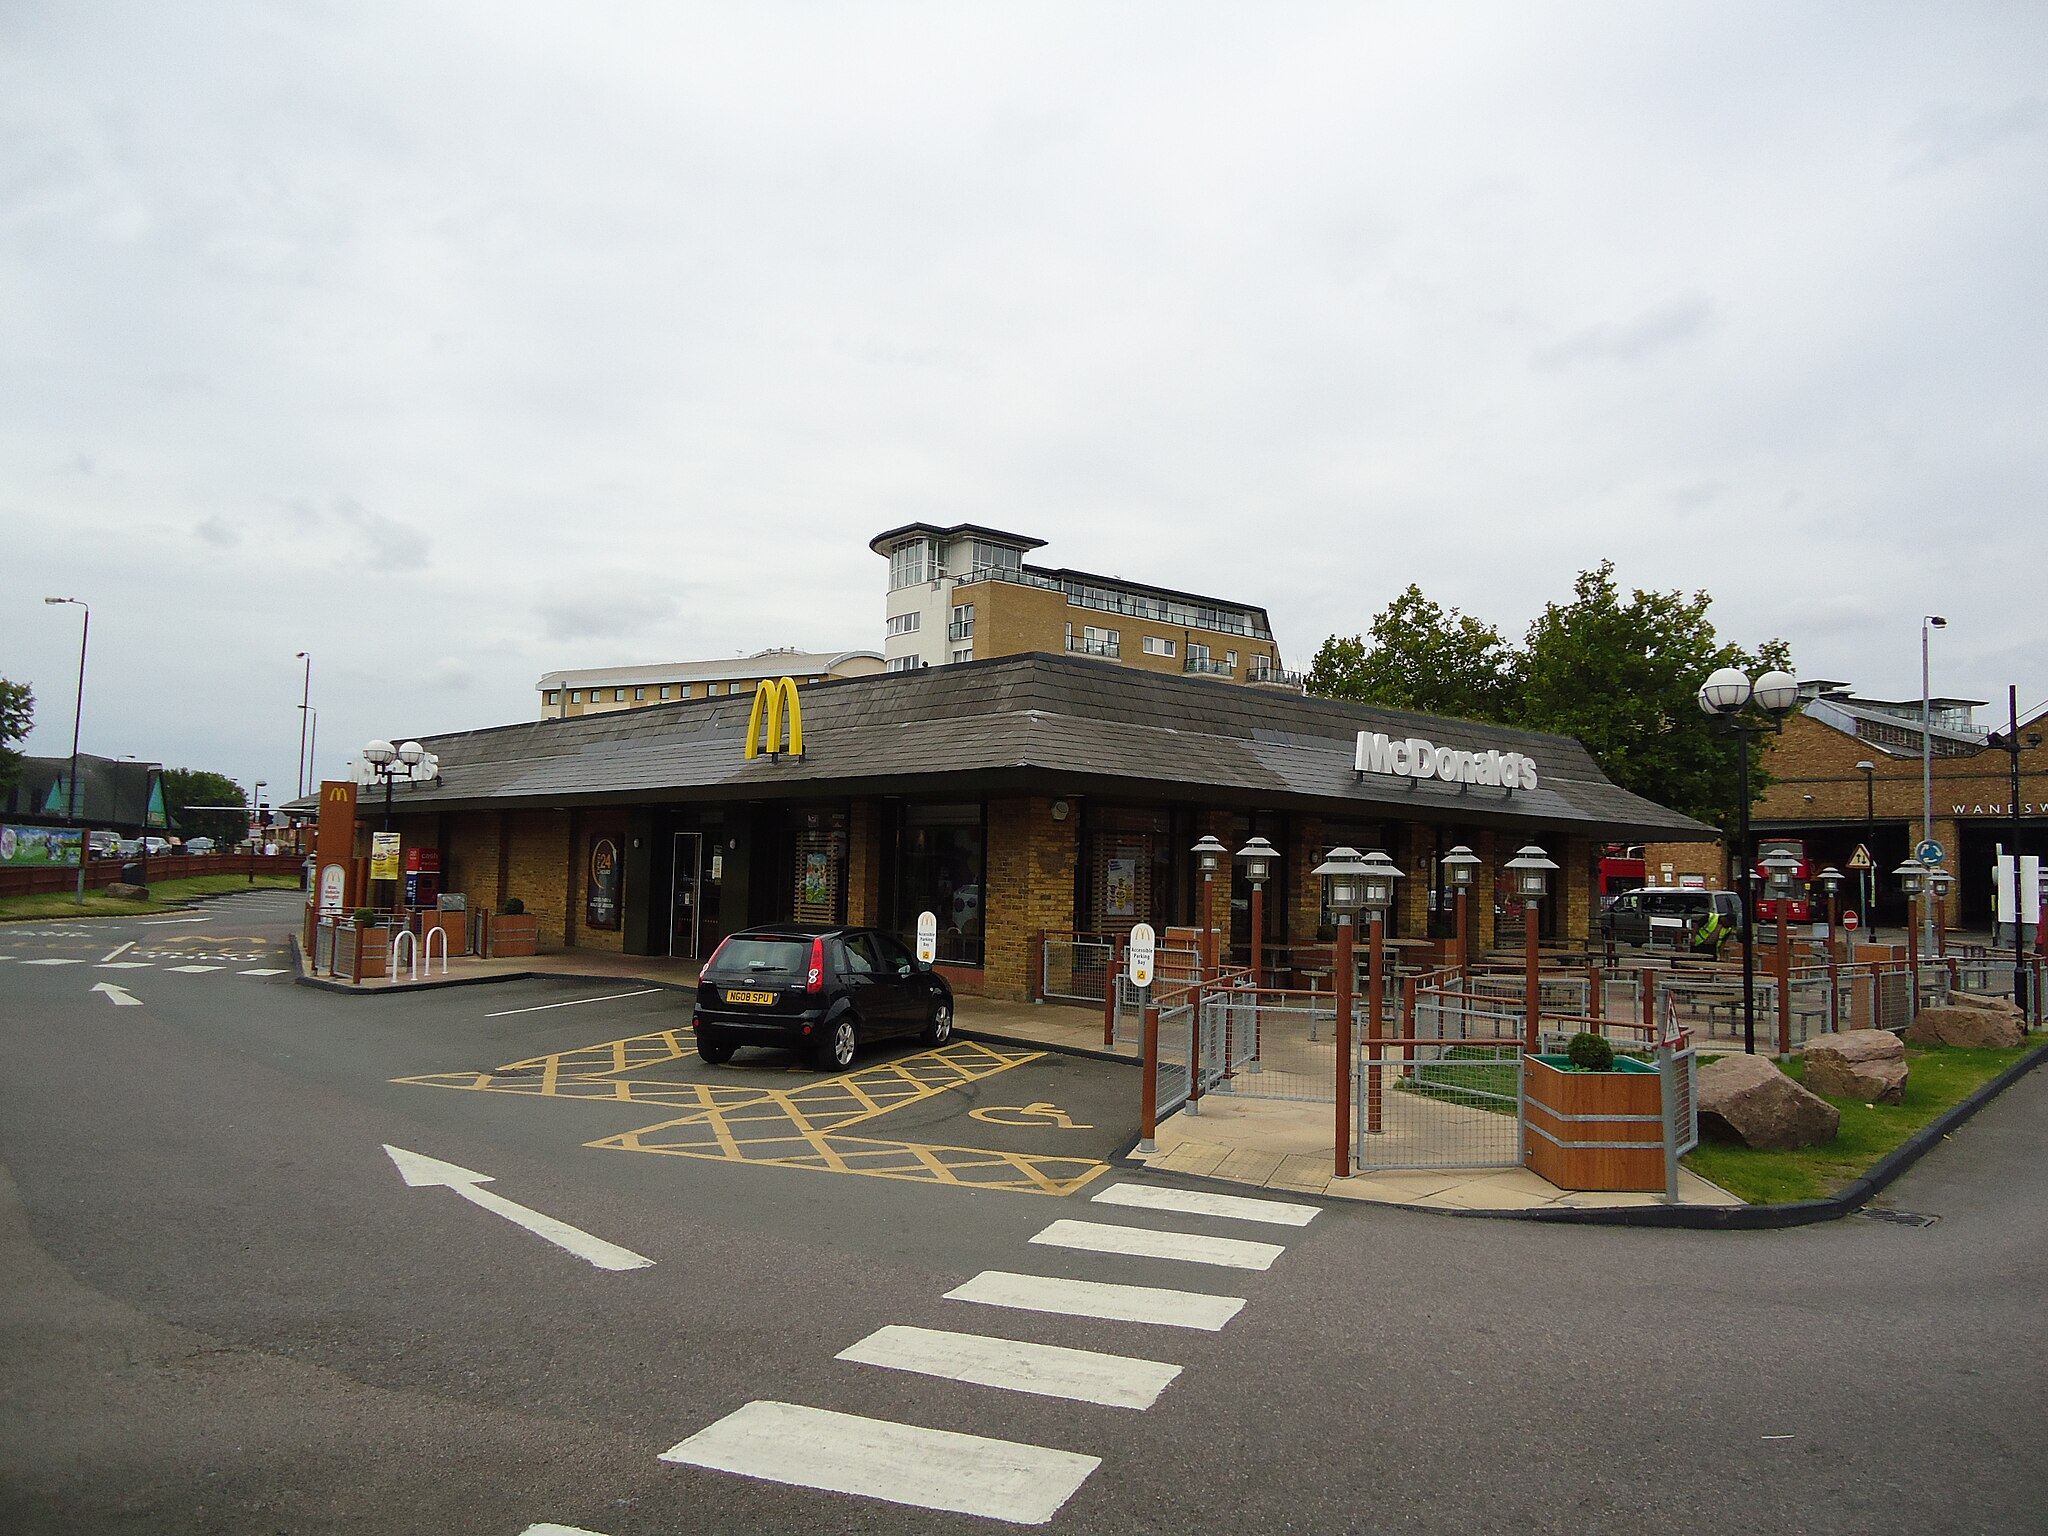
(1632, 340)
(602, 615)
(219, 533)
(1947, 135)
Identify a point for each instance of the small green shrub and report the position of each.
(1590, 1053)
(365, 916)
(513, 907)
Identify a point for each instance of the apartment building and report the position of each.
(606, 690)
(965, 593)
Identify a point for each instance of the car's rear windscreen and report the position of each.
(761, 957)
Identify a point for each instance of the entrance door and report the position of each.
(685, 919)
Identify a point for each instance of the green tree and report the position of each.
(185, 787)
(17, 711)
(1623, 676)
(1423, 657)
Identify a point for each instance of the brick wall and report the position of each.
(1575, 884)
(864, 855)
(1304, 894)
(1669, 863)
(537, 863)
(1814, 766)
(1031, 861)
(470, 862)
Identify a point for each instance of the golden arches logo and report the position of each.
(775, 702)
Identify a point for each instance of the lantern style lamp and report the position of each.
(1529, 873)
(1343, 874)
(1461, 871)
(1779, 869)
(1258, 858)
(1940, 882)
(1209, 856)
(1831, 880)
(1912, 878)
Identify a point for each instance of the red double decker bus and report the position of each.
(1621, 869)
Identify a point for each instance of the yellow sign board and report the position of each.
(387, 856)
(774, 702)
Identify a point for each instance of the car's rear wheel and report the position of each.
(717, 1052)
(836, 1046)
(939, 1028)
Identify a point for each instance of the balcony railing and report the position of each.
(1200, 664)
(1086, 647)
(1278, 678)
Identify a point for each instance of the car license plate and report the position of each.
(750, 997)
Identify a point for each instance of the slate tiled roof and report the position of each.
(1050, 724)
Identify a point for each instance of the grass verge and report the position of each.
(164, 895)
(1938, 1078)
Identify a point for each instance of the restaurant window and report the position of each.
(554, 695)
(1127, 869)
(817, 842)
(940, 869)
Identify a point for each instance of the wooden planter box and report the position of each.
(514, 935)
(362, 954)
(1573, 1118)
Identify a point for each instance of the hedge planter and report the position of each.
(518, 935)
(1594, 1130)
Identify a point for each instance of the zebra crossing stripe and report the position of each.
(1099, 1299)
(123, 965)
(53, 962)
(1045, 1370)
(277, 972)
(1149, 1243)
(880, 1459)
(1195, 1202)
(192, 970)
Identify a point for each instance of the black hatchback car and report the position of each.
(819, 990)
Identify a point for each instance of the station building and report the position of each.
(1015, 798)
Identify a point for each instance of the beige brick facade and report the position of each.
(1031, 859)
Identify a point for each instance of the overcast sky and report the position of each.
(456, 343)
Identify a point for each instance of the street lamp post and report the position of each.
(408, 761)
(1912, 875)
(1869, 771)
(1380, 875)
(1530, 871)
(1779, 872)
(1258, 857)
(1343, 876)
(1831, 882)
(1723, 696)
(1209, 855)
(77, 714)
(1928, 623)
(1461, 868)
(305, 717)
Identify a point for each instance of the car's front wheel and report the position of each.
(939, 1028)
(836, 1046)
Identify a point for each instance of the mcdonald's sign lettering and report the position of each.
(773, 703)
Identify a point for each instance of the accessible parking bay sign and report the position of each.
(1143, 943)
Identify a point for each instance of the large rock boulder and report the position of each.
(124, 892)
(1747, 1099)
(2001, 1005)
(1866, 1064)
(1973, 1028)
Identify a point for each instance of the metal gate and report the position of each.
(1444, 1103)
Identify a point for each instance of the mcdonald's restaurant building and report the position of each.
(1015, 798)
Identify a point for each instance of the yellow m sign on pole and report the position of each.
(773, 703)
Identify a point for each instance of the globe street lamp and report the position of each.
(1258, 857)
(1724, 696)
(1461, 868)
(77, 714)
(409, 761)
(1343, 876)
(1209, 855)
(1529, 874)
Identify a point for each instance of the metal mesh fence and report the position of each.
(1437, 1104)
(1076, 970)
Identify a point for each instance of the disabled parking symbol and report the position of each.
(1028, 1117)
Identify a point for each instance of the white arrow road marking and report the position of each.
(115, 954)
(422, 1172)
(120, 997)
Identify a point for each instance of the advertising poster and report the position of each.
(601, 899)
(817, 879)
(1123, 888)
(41, 846)
(386, 860)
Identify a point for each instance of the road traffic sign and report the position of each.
(1929, 852)
(1143, 941)
(1851, 921)
(1861, 858)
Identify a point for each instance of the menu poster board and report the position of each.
(386, 856)
(1123, 888)
(41, 846)
(601, 894)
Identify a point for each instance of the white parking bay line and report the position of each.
(116, 952)
(191, 970)
(276, 972)
(123, 965)
(53, 962)
(1148, 1243)
(878, 1459)
(1096, 1298)
(1195, 1202)
(1047, 1370)
(574, 1002)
